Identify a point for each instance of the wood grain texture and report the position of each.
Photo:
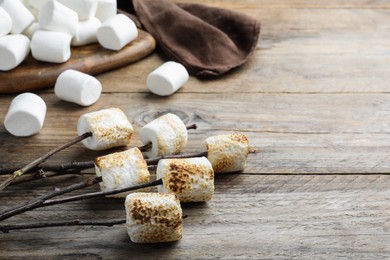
(91, 59)
(313, 100)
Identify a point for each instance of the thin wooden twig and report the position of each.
(75, 222)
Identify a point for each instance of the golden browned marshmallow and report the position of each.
(121, 170)
(227, 153)
(153, 217)
(168, 135)
(109, 127)
(191, 179)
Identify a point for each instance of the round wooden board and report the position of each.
(92, 59)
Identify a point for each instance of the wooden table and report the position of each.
(313, 99)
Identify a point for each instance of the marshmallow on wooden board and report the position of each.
(190, 179)
(77, 87)
(168, 135)
(85, 9)
(55, 16)
(110, 128)
(51, 46)
(20, 15)
(122, 169)
(29, 32)
(14, 49)
(153, 217)
(106, 9)
(25, 115)
(167, 79)
(38, 4)
(5, 23)
(86, 32)
(116, 32)
(227, 153)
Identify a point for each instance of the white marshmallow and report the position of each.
(38, 4)
(106, 9)
(109, 127)
(77, 87)
(117, 32)
(14, 49)
(29, 32)
(85, 9)
(20, 15)
(86, 32)
(51, 46)
(5, 23)
(191, 179)
(55, 16)
(153, 217)
(168, 135)
(121, 170)
(227, 153)
(167, 79)
(25, 115)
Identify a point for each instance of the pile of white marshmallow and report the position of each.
(50, 27)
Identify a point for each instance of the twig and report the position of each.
(44, 200)
(38, 202)
(41, 159)
(155, 161)
(75, 222)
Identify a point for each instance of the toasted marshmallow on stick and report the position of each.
(109, 127)
(25, 115)
(106, 9)
(153, 217)
(14, 49)
(77, 87)
(85, 9)
(227, 153)
(116, 32)
(55, 16)
(122, 169)
(5, 23)
(168, 135)
(51, 46)
(191, 179)
(167, 79)
(20, 15)
(86, 32)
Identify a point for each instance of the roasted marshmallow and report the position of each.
(116, 32)
(51, 46)
(5, 23)
(86, 32)
(110, 128)
(106, 9)
(14, 49)
(20, 15)
(168, 135)
(25, 115)
(77, 87)
(153, 217)
(227, 153)
(122, 169)
(54, 16)
(85, 9)
(191, 179)
(167, 79)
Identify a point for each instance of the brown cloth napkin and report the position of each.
(208, 41)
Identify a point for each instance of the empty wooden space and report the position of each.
(314, 101)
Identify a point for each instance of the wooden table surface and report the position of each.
(313, 99)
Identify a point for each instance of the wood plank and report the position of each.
(295, 133)
(285, 216)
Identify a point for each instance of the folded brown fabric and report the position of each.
(208, 41)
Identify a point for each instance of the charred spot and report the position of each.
(140, 212)
(241, 138)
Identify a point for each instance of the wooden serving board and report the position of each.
(92, 59)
